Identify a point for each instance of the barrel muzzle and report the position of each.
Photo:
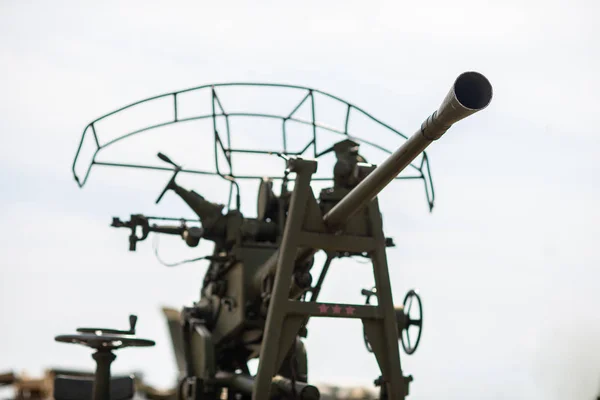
(470, 93)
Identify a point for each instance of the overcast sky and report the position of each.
(507, 263)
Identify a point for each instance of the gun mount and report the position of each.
(253, 299)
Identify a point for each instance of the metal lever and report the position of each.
(167, 160)
(132, 323)
(171, 183)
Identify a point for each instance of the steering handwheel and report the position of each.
(411, 297)
(104, 341)
(107, 339)
(107, 342)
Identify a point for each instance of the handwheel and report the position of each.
(410, 321)
(107, 339)
(104, 341)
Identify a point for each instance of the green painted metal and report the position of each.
(421, 170)
(253, 298)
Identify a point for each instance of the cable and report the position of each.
(155, 247)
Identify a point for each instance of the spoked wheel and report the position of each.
(105, 341)
(412, 320)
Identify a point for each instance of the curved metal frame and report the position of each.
(422, 169)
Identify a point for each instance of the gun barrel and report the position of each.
(471, 92)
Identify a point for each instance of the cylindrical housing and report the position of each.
(470, 93)
(280, 386)
(101, 389)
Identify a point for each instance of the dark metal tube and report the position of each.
(304, 391)
(242, 383)
(102, 378)
(280, 385)
(470, 93)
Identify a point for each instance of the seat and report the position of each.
(68, 387)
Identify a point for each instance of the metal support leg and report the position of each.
(271, 350)
(384, 331)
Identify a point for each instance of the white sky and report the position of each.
(507, 263)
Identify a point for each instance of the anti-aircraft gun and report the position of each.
(254, 300)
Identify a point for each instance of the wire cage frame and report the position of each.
(222, 140)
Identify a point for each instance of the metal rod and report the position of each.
(101, 389)
(279, 384)
(317, 289)
(470, 93)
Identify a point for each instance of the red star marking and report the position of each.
(350, 310)
(323, 308)
(336, 309)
